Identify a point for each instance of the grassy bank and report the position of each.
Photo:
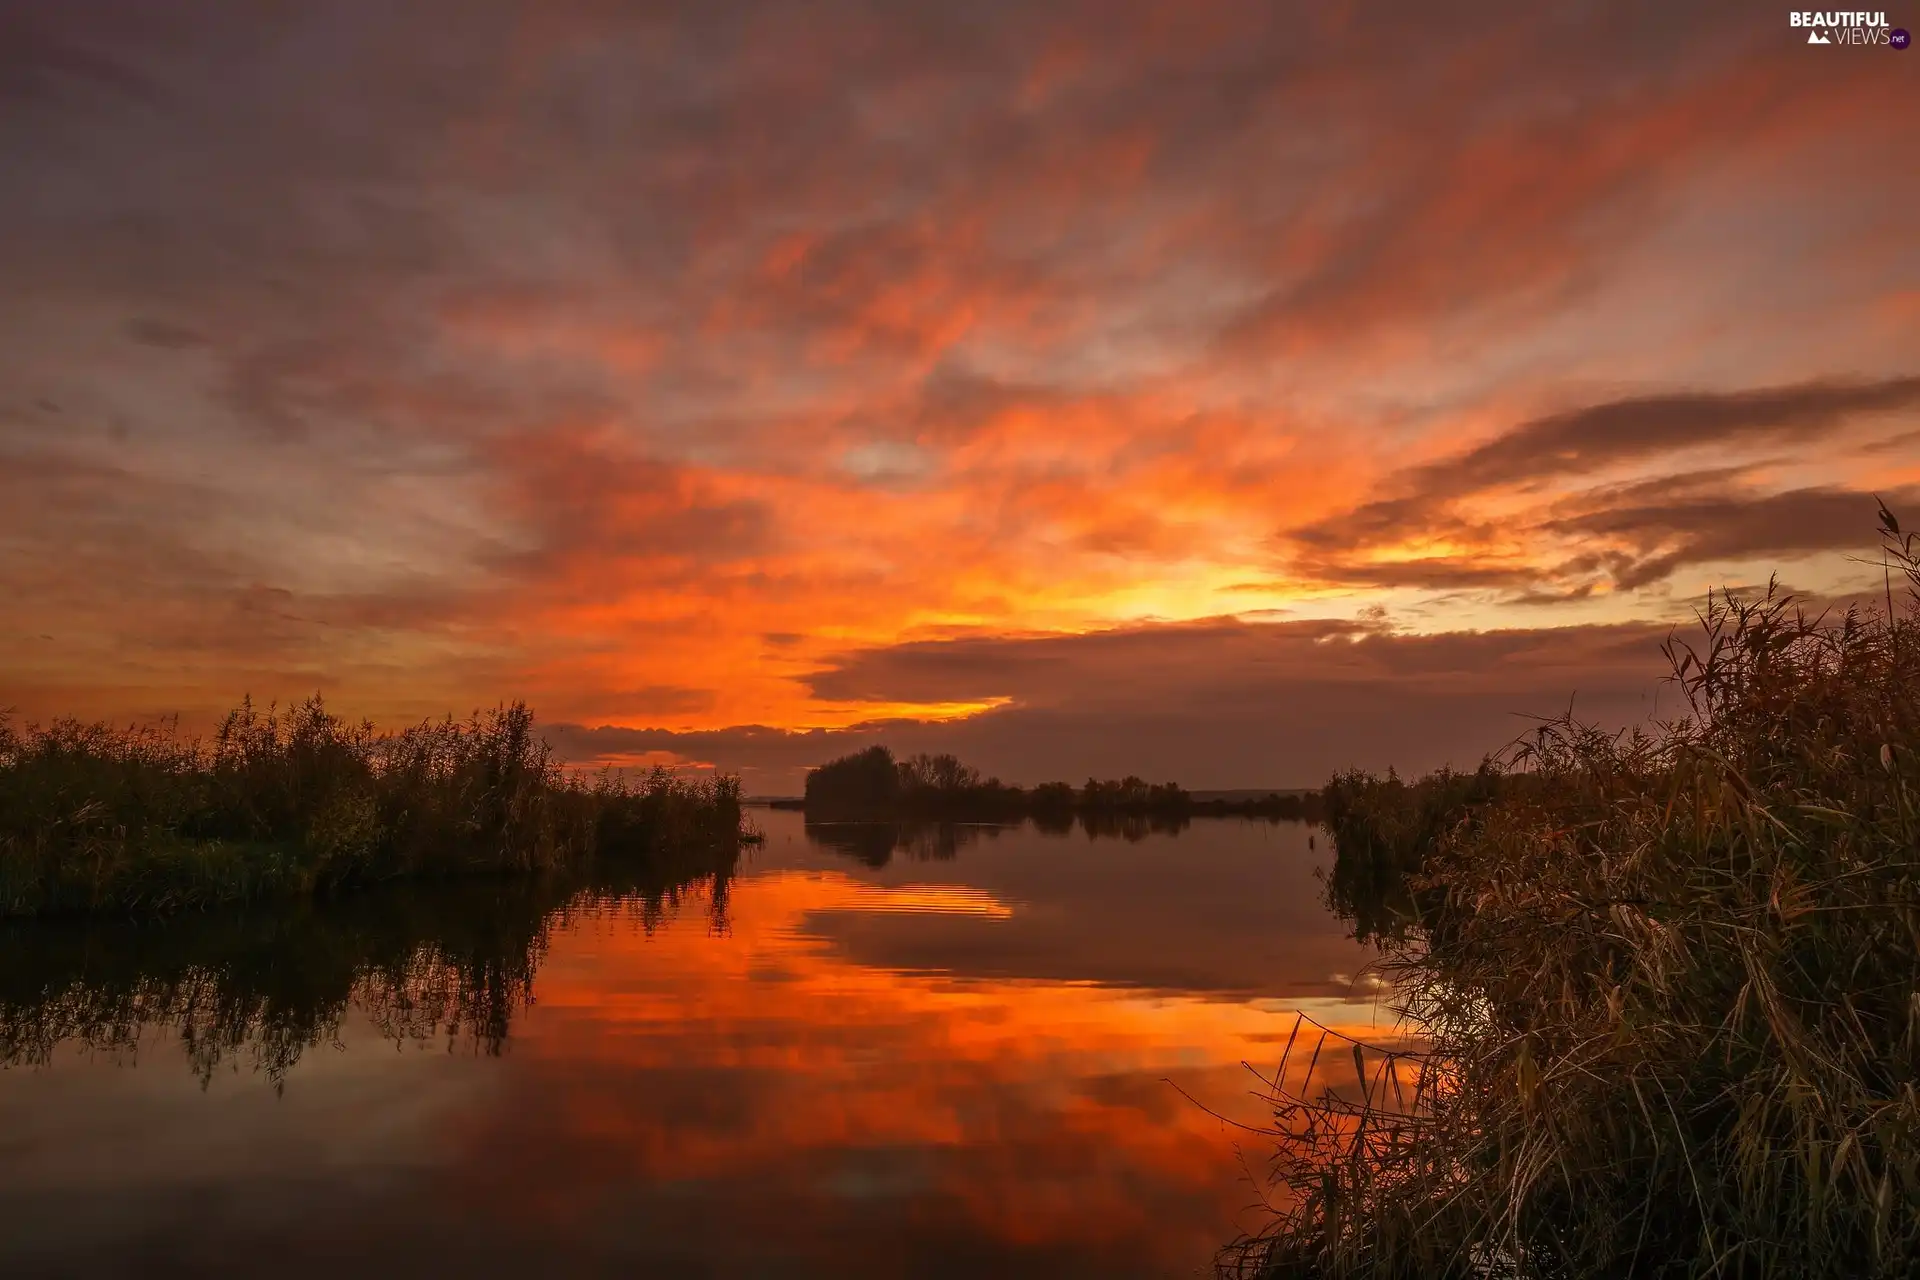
(1669, 986)
(299, 803)
(872, 785)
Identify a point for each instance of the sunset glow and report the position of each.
(708, 379)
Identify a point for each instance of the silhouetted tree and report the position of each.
(864, 784)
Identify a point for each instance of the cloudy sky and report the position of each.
(1220, 391)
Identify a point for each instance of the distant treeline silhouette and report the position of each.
(872, 785)
(300, 802)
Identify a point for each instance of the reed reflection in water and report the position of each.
(937, 1066)
(454, 961)
(877, 843)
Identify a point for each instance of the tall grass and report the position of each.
(1669, 985)
(302, 802)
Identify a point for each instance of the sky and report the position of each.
(1223, 392)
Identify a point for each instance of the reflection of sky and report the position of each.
(954, 1067)
(1235, 911)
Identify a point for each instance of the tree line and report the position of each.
(874, 784)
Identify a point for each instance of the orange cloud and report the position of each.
(641, 366)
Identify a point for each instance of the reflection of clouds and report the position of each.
(110, 1159)
(876, 843)
(1225, 906)
(729, 1103)
(1026, 1117)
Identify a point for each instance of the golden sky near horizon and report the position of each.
(1063, 380)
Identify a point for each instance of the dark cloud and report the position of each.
(1736, 526)
(1585, 440)
(1906, 441)
(1238, 908)
(1646, 528)
(1222, 704)
(164, 334)
(38, 63)
(1042, 668)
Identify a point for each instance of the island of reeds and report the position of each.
(300, 802)
(1661, 989)
(873, 786)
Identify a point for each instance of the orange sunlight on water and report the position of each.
(1043, 1115)
(975, 1065)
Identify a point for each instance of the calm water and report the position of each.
(930, 1055)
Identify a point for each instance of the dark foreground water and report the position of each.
(955, 1053)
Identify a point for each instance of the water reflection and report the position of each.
(1373, 897)
(814, 1066)
(876, 843)
(453, 961)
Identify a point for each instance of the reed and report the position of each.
(1668, 985)
(301, 802)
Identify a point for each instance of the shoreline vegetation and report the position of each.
(875, 786)
(1660, 990)
(301, 803)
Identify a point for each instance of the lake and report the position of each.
(939, 1052)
